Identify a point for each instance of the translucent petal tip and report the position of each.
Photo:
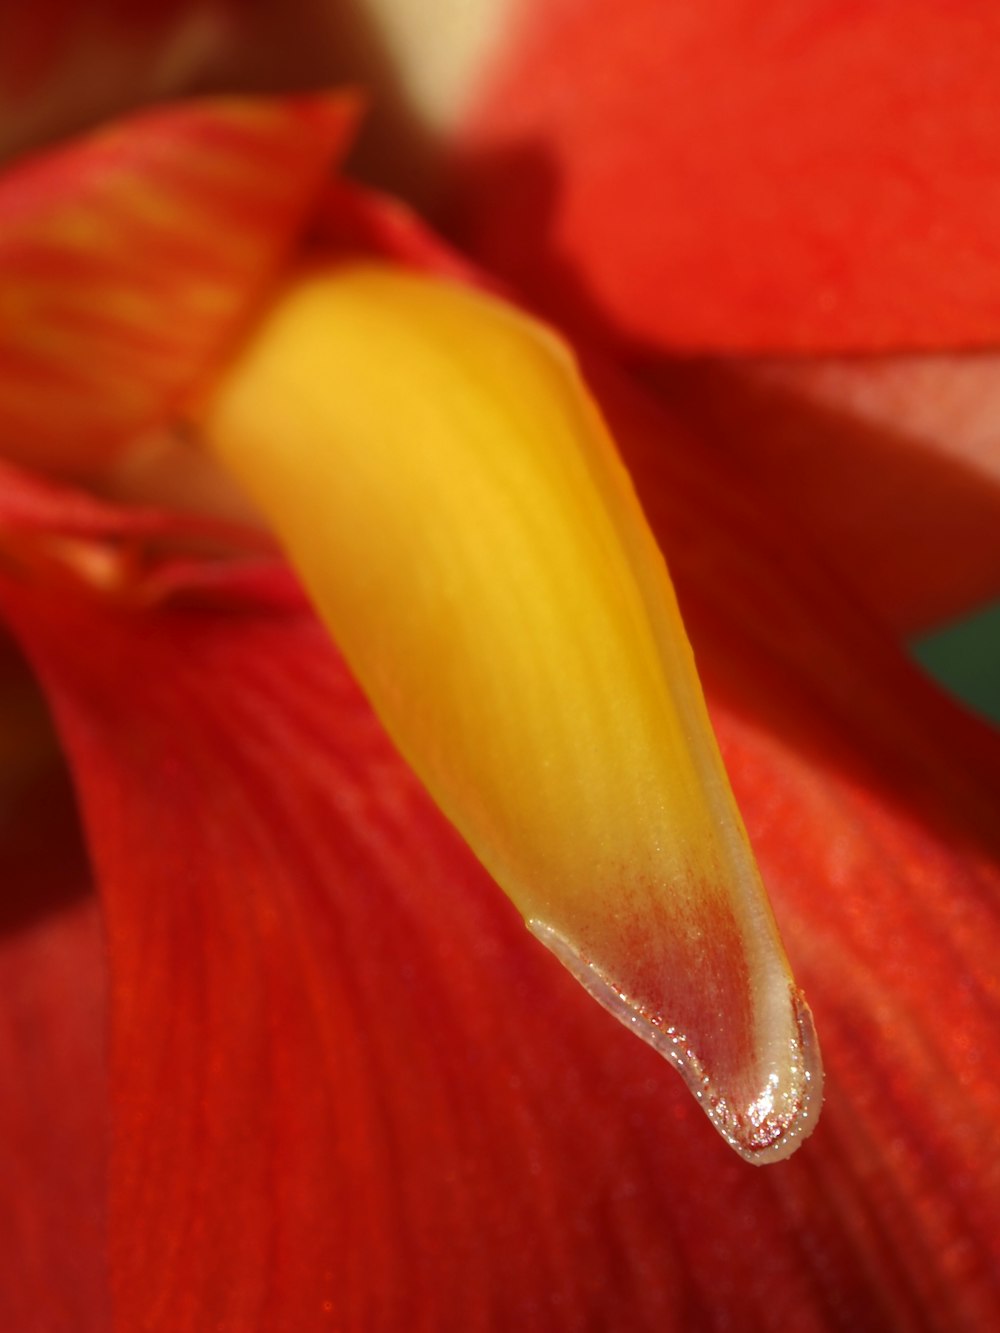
(771, 1115)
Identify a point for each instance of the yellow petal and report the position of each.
(452, 499)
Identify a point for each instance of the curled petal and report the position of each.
(456, 506)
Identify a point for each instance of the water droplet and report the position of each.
(765, 1127)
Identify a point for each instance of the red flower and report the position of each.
(346, 1089)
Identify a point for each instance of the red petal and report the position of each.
(132, 258)
(892, 466)
(351, 1090)
(344, 1075)
(748, 174)
(52, 1023)
(52, 1121)
(869, 800)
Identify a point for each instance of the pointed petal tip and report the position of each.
(781, 1110)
